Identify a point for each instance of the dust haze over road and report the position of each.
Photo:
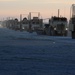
(24, 53)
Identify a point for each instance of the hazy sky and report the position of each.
(47, 8)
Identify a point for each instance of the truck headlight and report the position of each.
(66, 28)
(54, 28)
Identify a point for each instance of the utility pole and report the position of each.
(58, 12)
(30, 22)
(20, 21)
